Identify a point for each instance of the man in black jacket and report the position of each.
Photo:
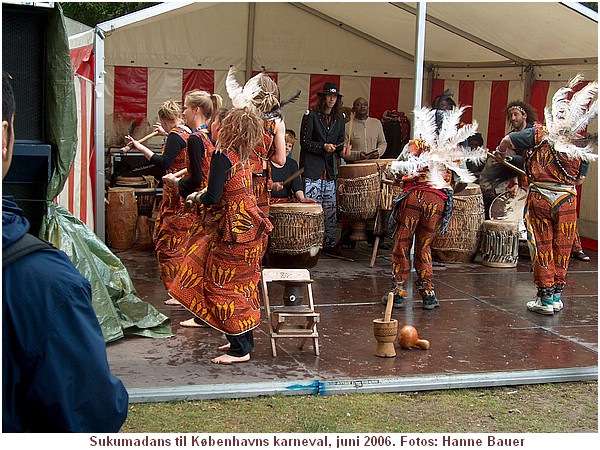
(321, 146)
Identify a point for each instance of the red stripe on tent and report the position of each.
(198, 79)
(589, 243)
(437, 88)
(316, 85)
(131, 93)
(497, 117)
(539, 92)
(384, 95)
(79, 57)
(84, 153)
(92, 147)
(465, 97)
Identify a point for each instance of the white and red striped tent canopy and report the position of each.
(486, 53)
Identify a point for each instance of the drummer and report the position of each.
(367, 140)
(292, 190)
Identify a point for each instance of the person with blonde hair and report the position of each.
(173, 220)
(218, 281)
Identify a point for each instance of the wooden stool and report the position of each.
(284, 320)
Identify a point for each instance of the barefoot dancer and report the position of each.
(218, 281)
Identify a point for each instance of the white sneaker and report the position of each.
(537, 306)
(557, 304)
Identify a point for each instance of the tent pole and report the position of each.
(250, 39)
(99, 220)
(528, 85)
(419, 53)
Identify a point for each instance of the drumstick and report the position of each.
(181, 173)
(141, 141)
(291, 177)
(190, 201)
(507, 164)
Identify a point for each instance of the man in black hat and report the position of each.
(321, 145)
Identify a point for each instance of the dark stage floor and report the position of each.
(482, 335)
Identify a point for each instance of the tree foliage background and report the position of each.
(93, 13)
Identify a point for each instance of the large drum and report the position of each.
(297, 235)
(500, 243)
(509, 206)
(121, 217)
(461, 241)
(358, 195)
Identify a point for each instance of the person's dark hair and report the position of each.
(8, 102)
(445, 96)
(290, 131)
(531, 114)
(335, 111)
(478, 138)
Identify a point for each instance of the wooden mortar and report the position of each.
(385, 331)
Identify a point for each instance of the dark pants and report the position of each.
(241, 345)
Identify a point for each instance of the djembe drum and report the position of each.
(121, 217)
(295, 242)
(500, 243)
(460, 243)
(358, 195)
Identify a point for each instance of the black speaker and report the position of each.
(27, 180)
(24, 59)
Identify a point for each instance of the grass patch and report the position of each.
(542, 408)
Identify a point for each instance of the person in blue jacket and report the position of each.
(55, 373)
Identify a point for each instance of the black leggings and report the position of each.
(241, 345)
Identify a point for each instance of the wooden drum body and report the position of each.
(500, 243)
(460, 243)
(297, 235)
(358, 195)
(121, 217)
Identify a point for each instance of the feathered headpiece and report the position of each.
(241, 97)
(444, 149)
(565, 119)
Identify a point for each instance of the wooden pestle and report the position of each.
(388, 308)
(141, 141)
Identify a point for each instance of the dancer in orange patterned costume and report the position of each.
(552, 162)
(179, 226)
(219, 278)
(173, 221)
(429, 168)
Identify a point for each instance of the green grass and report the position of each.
(544, 408)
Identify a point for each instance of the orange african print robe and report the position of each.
(219, 278)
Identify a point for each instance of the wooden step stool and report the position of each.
(283, 320)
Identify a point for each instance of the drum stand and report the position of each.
(283, 320)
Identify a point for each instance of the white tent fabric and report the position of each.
(487, 53)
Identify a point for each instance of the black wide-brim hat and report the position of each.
(330, 88)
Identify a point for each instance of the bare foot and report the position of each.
(224, 347)
(228, 359)
(172, 302)
(191, 323)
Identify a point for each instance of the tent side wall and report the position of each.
(149, 62)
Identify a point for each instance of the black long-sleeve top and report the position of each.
(314, 133)
(193, 181)
(279, 174)
(219, 167)
(175, 143)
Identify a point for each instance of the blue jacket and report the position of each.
(55, 373)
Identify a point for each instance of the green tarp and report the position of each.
(119, 310)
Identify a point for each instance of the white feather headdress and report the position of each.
(445, 149)
(241, 97)
(565, 118)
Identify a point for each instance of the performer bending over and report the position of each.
(429, 170)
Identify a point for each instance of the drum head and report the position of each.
(296, 207)
(509, 206)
